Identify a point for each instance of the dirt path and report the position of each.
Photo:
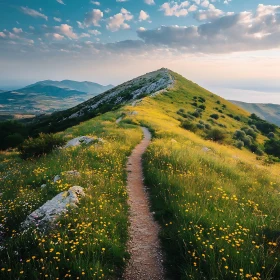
(144, 245)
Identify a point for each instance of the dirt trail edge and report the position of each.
(144, 244)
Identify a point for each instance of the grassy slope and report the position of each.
(219, 210)
(205, 201)
(90, 241)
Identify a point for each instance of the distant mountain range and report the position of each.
(268, 112)
(47, 96)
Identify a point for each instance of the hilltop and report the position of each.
(211, 176)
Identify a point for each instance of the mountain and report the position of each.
(47, 97)
(88, 87)
(211, 177)
(269, 112)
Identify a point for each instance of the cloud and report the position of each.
(17, 30)
(57, 36)
(2, 35)
(57, 19)
(120, 1)
(246, 31)
(118, 21)
(143, 15)
(94, 32)
(67, 31)
(150, 2)
(95, 3)
(175, 9)
(93, 17)
(33, 13)
(80, 25)
(84, 35)
(211, 13)
(60, 2)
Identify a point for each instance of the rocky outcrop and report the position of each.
(47, 214)
(82, 140)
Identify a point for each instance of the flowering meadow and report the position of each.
(89, 242)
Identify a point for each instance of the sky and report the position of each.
(231, 47)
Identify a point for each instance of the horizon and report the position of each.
(229, 47)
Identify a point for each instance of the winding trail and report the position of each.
(144, 246)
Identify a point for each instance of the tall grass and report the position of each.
(89, 242)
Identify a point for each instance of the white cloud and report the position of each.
(150, 2)
(57, 36)
(2, 35)
(93, 17)
(95, 3)
(120, 1)
(94, 32)
(33, 13)
(210, 14)
(67, 31)
(175, 9)
(143, 15)
(85, 35)
(118, 21)
(60, 2)
(17, 30)
(80, 25)
(57, 19)
(246, 31)
(192, 8)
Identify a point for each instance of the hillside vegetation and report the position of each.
(217, 201)
(269, 112)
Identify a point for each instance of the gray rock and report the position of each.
(56, 178)
(82, 140)
(73, 173)
(205, 149)
(43, 186)
(47, 214)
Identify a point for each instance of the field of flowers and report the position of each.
(218, 206)
(89, 242)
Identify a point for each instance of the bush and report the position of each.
(272, 147)
(239, 144)
(271, 135)
(44, 144)
(237, 118)
(216, 135)
(251, 132)
(189, 126)
(208, 126)
(200, 126)
(214, 116)
(262, 125)
(203, 107)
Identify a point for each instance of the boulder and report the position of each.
(43, 186)
(56, 178)
(47, 214)
(73, 173)
(206, 150)
(82, 140)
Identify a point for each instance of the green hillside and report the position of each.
(217, 201)
(269, 112)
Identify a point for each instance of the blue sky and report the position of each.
(114, 40)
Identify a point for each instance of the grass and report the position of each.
(90, 241)
(218, 206)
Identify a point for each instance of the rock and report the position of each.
(48, 213)
(73, 173)
(205, 149)
(79, 140)
(43, 186)
(56, 178)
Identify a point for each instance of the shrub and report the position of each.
(200, 126)
(239, 144)
(237, 118)
(272, 147)
(216, 135)
(208, 126)
(271, 135)
(218, 102)
(194, 104)
(247, 140)
(44, 144)
(203, 107)
(214, 116)
(189, 126)
(201, 99)
(262, 125)
(250, 131)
